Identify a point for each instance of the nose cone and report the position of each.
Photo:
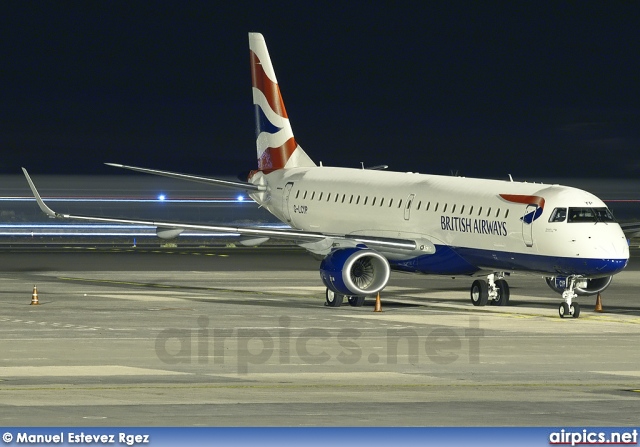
(611, 266)
(614, 250)
(603, 251)
(614, 247)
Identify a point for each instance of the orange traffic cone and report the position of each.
(378, 307)
(598, 304)
(34, 296)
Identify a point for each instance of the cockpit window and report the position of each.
(558, 215)
(590, 215)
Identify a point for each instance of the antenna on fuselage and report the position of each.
(374, 168)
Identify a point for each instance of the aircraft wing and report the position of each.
(315, 242)
(631, 229)
(194, 178)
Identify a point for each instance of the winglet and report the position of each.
(45, 209)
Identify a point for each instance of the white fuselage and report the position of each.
(470, 216)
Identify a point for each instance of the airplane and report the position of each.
(364, 223)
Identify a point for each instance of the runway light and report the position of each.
(161, 197)
(240, 198)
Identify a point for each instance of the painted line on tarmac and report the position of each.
(55, 325)
(83, 371)
(282, 292)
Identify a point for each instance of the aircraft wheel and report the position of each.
(575, 310)
(356, 301)
(479, 293)
(564, 310)
(333, 299)
(503, 293)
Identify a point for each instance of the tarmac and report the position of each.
(241, 337)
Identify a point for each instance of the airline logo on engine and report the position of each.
(477, 226)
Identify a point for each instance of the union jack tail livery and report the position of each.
(277, 147)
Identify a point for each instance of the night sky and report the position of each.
(535, 89)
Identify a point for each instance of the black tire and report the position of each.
(503, 293)
(356, 301)
(564, 310)
(333, 299)
(479, 293)
(575, 310)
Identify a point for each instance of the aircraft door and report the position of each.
(407, 208)
(285, 201)
(527, 225)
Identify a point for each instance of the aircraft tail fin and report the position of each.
(276, 145)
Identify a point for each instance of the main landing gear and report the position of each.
(495, 290)
(334, 299)
(569, 308)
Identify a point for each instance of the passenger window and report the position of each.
(453, 210)
(320, 198)
(488, 212)
(462, 209)
(297, 194)
(419, 203)
(305, 195)
(365, 200)
(400, 203)
(506, 214)
(479, 211)
(328, 197)
(374, 202)
(427, 207)
(390, 203)
(358, 200)
(444, 210)
(436, 207)
(498, 213)
(382, 201)
(471, 210)
(313, 194)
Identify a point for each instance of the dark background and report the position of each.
(535, 89)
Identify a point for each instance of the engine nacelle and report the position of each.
(355, 271)
(168, 233)
(584, 287)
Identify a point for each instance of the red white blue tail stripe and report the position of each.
(276, 145)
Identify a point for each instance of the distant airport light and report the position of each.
(240, 198)
(161, 197)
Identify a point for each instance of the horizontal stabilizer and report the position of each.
(194, 178)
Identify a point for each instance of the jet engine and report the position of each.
(584, 287)
(355, 271)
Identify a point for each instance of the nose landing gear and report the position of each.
(569, 308)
